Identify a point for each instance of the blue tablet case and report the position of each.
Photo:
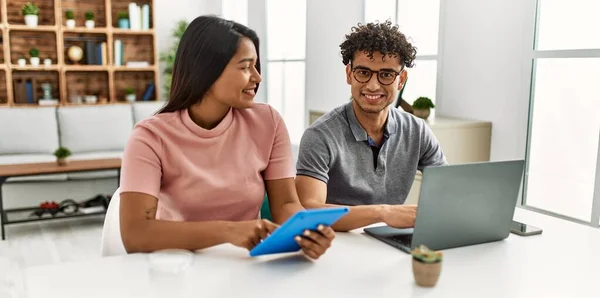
(282, 239)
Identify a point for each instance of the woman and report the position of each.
(194, 175)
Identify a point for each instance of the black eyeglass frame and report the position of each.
(397, 73)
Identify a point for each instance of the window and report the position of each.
(286, 51)
(563, 143)
(235, 10)
(419, 21)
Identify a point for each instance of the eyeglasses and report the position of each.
(385, 77)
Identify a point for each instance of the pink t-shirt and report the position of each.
(199, 174)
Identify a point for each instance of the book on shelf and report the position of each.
(95, 53)
(149, 93)
(119, 49)
(139, 16)
(137, 64)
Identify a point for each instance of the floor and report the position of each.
(43, 243)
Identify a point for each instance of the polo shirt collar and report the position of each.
(359, 132)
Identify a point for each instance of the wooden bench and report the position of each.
(34, 169)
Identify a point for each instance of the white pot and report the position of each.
(35, 61)
(89, 24)
(91, 99)
(71, 24)
(47, 62)
(130, 97)
(21, 62)
(31, 20)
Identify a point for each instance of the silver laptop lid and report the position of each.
(467, 204)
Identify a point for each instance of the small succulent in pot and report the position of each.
(62, 154)
(70, 16)
(89, 19)
(422, 107)
(31, 14)
(22, 61)
(123, 19)
(426, 265)
(34, 56)
(130, 94)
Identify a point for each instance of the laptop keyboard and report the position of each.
(404, 239)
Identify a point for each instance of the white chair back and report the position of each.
(112, 244)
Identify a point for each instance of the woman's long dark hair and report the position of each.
(206, 47)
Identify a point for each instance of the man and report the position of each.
(365, 154)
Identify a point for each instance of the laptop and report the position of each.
(460, 205)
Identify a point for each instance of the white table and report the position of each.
(562, 262)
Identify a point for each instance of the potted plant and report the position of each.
(62, 155)
(21, 61)
(89, 19)
(426, 266)
(422, 107)
(31, 13)
(130, 94)
(47, 62)
(70, 18)
(168, 56)
(123, 18)
(34, 58)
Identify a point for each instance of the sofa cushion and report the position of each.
(95, 128)
(143, 110)
(28, 130)
(31, 158)
(94, 174)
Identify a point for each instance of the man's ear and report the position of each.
(349, 74)
(403, 77)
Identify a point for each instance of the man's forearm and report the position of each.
(358, 217)
(287, 210)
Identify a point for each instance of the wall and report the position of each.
(256, 21)
(326, 86)
(168, 13)
(485, 72)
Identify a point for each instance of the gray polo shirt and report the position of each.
(336, 150)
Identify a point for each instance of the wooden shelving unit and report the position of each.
(53, 39)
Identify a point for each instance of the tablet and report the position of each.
(282, 239)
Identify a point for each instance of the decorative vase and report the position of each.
(71, 24)
(423, 114)
(31, 20)
(426, 275)
(130, 97)
(35, 61)
(47, 62)
(46, 91)
(62, 161)
(89, 24)
(124, 23)
(21, 62)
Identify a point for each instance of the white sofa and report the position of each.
(31, 134)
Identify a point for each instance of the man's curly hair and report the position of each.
(378, 37)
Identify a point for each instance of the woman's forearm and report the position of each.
(151, 235)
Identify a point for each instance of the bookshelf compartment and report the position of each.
(91, 45)
(21, 42)
(28, 86)
(21, 81)
(80, 7)
(135, 48)
(15, 16)
(3, 92)
(81, 85)
(142, 83)
(119, 6)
